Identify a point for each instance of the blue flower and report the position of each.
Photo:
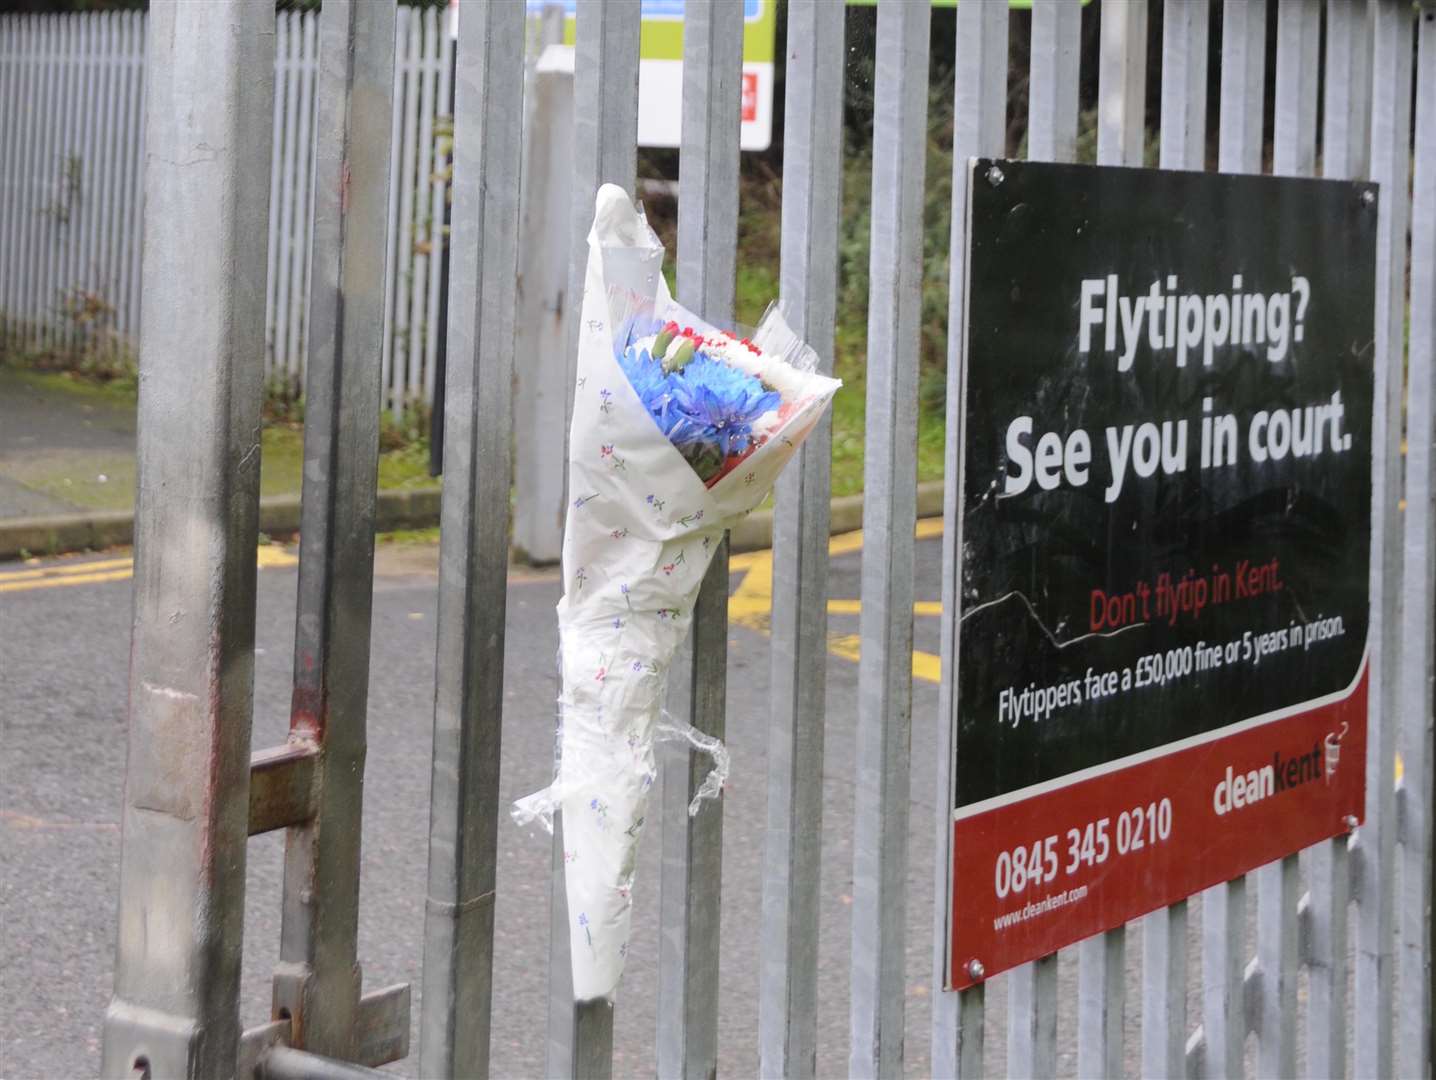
(706, 409)
(717, 405)
(648, 380)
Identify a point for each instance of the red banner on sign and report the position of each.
(1088, 853)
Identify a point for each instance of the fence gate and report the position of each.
(1339, 978)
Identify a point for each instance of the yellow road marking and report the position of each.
(926, 666)
(848, 646)
(66, 568)
(270, 556)
(102, 570)
(26, 821)
(751, 604)
(855, 607)
(73, 579)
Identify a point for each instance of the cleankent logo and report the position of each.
(1239, 789)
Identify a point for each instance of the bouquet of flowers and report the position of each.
(678, 430)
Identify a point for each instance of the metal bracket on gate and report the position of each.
(158, 1043)
(382, 1028)
(281, 787)
(381, 1035)
(256, 1042)
(282, 794)
(381, 1022)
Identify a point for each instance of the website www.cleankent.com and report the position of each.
(1034, 908)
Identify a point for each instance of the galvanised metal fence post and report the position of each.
(474, 545)
(186, 808)
(605, 151)
(1224, 1028)
(1031, 1030)
(1376, 839)
(884, 730)
(12, 37)
(979, 110)
(1164, 932)
(26, 124)
(44, 181)
(318, 980)
(690, 894)
(1121, 138)
(1278, 883)
(792, 861)
(1418, 613)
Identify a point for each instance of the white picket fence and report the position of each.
(71, 129)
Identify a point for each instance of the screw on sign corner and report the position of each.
(995, 176)
(975, 970)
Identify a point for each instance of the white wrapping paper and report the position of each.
(641, 530)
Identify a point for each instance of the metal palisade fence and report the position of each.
(72, 125)
(71, 128)
(1328, 974)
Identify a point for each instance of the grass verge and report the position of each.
(103, 477)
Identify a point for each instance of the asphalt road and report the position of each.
(63, 657)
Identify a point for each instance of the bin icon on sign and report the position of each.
(1332, 743)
